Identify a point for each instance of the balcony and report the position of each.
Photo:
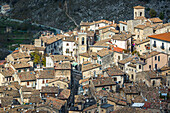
(162, 47)
(154, 45)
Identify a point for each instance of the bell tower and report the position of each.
(139, 11)
(82, 42)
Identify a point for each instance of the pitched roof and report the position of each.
(102, 42)
(99, 82)
(27, 76)
(126, 60)
(122, 22)
(64, 94)
(89, 66)
(139, 7)
(59, 79)
(7, 72)
(20, 55)
(155, 20)
(68, 39)
(130, 110)
(140, 18)
(107, 26)
(132, 65)
(90, 107)
(31, 47)
(116, 49)
(62, 65)
(49, 89)
(21, 65)
(141, 26)
(122, 36)
(143, 41)
(56, 103)
(61, 58)
(114, 71)
(110, 29)
(104, 52)
(89, 54)
(48, 74)
(149, 54)
(162, 36)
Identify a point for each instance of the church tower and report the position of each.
(139, 11)
(82, 42)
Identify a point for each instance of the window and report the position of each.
(46, 81)
(83, 41)
(149, 66)
(74, 44)
(132, 76)
(135, 14)
(115, 79)
(156, 66)
(123, 28)
(27, 83)
(139, 66)
(140, 13)
(118, 57)
(43, 81)
(158, 58)
(19, 71)
(154, 45)
(155, 57)
(67, 44)
(153, 83)
(67, 50)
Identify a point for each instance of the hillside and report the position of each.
(52, 12)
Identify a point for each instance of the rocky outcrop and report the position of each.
(52, 12)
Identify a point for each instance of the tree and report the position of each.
(152, 13)
(43, 61)
(135, 52)
(161, 15)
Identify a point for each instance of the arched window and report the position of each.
(135, 14)
(83, 41)
(153, 83)
(132, 76)
(140, 13)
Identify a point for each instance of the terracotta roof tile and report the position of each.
(48, 74)
(122, 22)
(102, 43)
(49, 89)
(57, 103)
(99, 82)
(62, 65)
(139, 7)
(155, 20)
(20, 65)
(149, 55)
(114, 71)
(65, 94)
(162, 36)
(27, 76)
(104, 52)
(89, 66)
(59, 58)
